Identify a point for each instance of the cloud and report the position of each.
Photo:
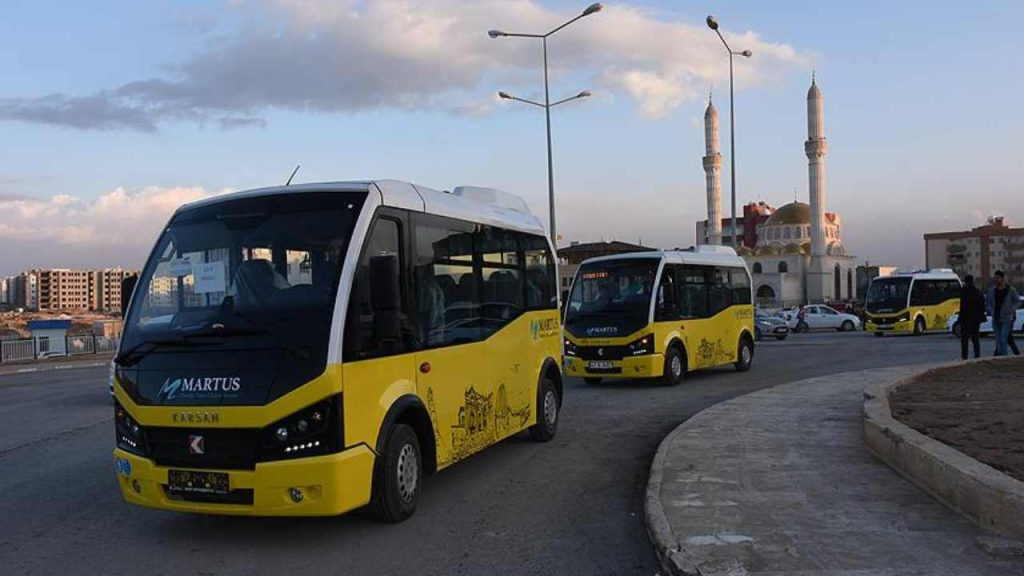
(346, 56)
(115, 228)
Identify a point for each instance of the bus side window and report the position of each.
(667, 307)
(691, 283)
(502, 277)
(448, 287)
(720, 291)
(740, 286)
(920, 293)
(377, 324)
(540, 273)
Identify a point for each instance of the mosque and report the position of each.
(795, 253)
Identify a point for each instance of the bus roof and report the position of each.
(705, 255)
(482, 205)
(937, 274)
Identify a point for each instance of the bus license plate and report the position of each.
(193, 482)
(599, 365)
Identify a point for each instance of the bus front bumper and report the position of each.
(330, 485)
(646, 366)
(870, 326)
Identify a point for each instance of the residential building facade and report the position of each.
(979, 252)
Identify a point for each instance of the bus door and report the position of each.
(452, 364)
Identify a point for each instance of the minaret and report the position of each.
(816, 147)
(713, 173)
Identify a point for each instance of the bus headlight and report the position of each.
(570, 348)
(312, 431)
(905, 317)
(642, 346)
(130, 436)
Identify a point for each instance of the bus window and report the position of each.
(374, 330)
(720, 291)
(540, 273)
(667, 308)
(922, 293)
(693, 291)
(446, 282)
(502, 279)
(740, 286)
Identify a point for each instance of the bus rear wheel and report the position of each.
(745, 355)
(675, 367)
(547, 412)
(919, 326)
(397, 476)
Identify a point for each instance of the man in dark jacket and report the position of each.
(1002, 301)
(972, 314)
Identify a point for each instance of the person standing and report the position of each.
(972, 314)
(1002, 301)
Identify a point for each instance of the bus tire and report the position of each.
(919, 326)
(547, 412)
(398, 475)
(592, 381)
(745, 354)
(675, 367)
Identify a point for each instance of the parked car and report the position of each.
(821, 317)
(766, 325)
(953, 324)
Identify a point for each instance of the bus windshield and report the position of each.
(613, 292)
(888, 295)
(255, 275)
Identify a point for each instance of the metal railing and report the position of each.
(23, 349)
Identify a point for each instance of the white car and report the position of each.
(953, 324)
(821, 317)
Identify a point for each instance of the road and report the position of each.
(572, 506)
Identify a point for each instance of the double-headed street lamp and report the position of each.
(547, 105)
(713, 24)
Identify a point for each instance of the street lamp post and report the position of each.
(547, 105)
(713, 24)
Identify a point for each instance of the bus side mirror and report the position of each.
(385, 298)
(127, 289)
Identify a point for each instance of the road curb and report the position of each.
(28, 368)
(986, 496)
(670, 553)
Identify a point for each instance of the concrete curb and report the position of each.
(29, 367)
(670, 553)
(989, 498)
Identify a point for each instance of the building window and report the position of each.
(757, 268)
(44, 344)
(783, 268)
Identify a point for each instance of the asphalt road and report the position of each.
(572, 506)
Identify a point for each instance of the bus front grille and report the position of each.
(222, 448)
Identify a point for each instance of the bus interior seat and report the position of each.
(257, 284)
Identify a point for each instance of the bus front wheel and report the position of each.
(919, 326)
(398, 475)
(745, 357)
(547, 412)
(675, 367)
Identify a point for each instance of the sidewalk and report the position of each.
(61, 363)
(779, 482)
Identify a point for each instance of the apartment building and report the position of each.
(979, 251)
(55, 289)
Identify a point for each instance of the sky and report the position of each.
(114, 113)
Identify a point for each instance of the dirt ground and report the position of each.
(976, 408)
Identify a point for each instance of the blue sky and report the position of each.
(921, 112)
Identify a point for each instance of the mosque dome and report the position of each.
(792, 213)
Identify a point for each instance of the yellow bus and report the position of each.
(308, 350)
(659, 315)
(912, 303)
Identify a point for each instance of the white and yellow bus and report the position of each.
(308, 350)
(912, 303)
(659, 315)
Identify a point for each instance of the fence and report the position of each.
(25, 349)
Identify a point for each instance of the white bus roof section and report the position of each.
(482, 205)
(940, 274)
(716, 256)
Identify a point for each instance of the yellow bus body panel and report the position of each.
(476, 395)
(936, 317)
(709, 342)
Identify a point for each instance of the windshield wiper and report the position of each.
(131, 356)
